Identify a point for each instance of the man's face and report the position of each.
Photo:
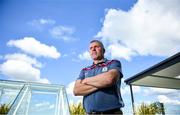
(96, 51)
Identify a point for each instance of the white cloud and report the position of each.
(136, 89)
(167, 100)
(84, 56)
(63, 33)
(162, 91)
(119, 51)
(45, 105)
(125, 90)
(149, 28)
(168, 96)
(43, 21)
(23, 57)
(42, 106)
(40, 24)
(43, 80)
(22, 67)
(19, 70)
(73, 99)
(70, 88)
(34, 47)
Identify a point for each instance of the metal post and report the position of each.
(58, 107)
(162, 108)
(2, 91)
(132, 99)
(67, 102)
(28, 100)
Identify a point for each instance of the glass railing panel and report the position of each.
(63, 103)
(19, 100)
(34, 98)
(42, 104)
(8, 92)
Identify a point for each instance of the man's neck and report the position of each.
(98, 61)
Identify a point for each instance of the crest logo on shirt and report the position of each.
(104, 69)
(86, 74)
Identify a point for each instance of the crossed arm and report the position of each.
(91, 84)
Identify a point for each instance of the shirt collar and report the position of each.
(104, 60)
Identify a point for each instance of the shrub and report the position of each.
(4, 108)
(150, 109)
(77, 109)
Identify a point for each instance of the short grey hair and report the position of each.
(101, 44)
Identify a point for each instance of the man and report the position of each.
(100, 83)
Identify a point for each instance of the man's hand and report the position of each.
(91, 84)
(81, 89)
(103, 80)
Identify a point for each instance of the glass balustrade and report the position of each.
(26, 98)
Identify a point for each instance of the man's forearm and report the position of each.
(81, 89)
(103, 80)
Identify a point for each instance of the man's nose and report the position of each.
(94, 49)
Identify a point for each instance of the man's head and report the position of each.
(96, 50)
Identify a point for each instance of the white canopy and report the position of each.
(165, 74)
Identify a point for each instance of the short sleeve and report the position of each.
(81, 75)
(115, 64)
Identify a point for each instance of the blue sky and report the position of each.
(47, 40)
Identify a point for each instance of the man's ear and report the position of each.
(104, 50)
